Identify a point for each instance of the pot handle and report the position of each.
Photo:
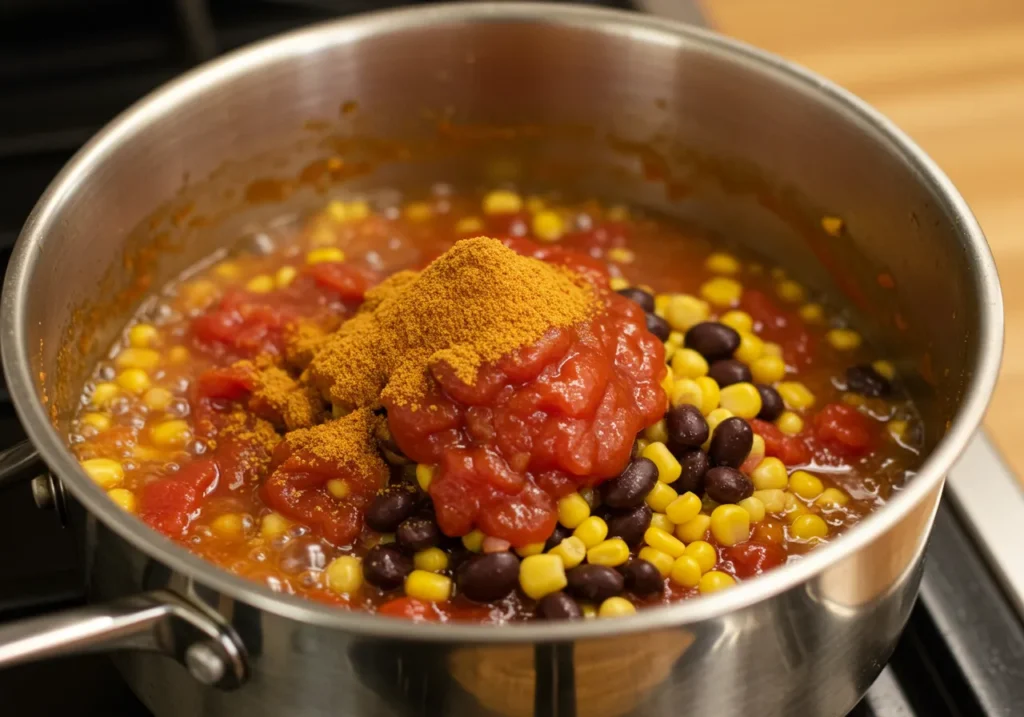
(158, 621)
(20, 463)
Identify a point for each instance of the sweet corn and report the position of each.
(530, 549)
(843, 339)
(668, 381)
(353, 211)
(730, 524)
(142, 336)
(812, 313)
(714, 581)
(683, 311)
(170, 434)
(133, 380)
(325, 255)
(178, 355)
(669, 468)
(228, 525)
(768, 369)
(687, 363)
(571, 551)
(739, 320)
(789, 423)
(473, 541)
(227, 270)
(670, 351)
(685, 391)
(657, 432)
(808, 527)
(772, 349)
(104, 472)
(572, 510)
(97, 421)
(589, 611)
(757, 449)
(721, 291)
(742, 399)
(832, 497)
(885, 369)
(774, 499)
(662, 561)
(704, 553)
(710, 393)
(684, 508)
(661, 496)
(591, 531)
(284, 276)
(685, 571)
(273, 525)
(345, 574)
(713, 419)
(338, 487)
(548, 225)
(469, 225)
(502, 201)
(661, 302)
(124, 498)
(897, 428)
(427, 586)
(754, 507)
(833, 226)
(696, 529)
(418, 211)
(664, 541)
(103, 394)
(677, 338)
(616, 607)
(432, 560)
(157, 399)
(611, 552)
(805, 485)
(541, 575)
(620, 255)
(750, 349)
(131, 357)
(640, 445)
(794, 508)
(722, 263)
(660, 520)
(795, 395)
(769, 473)
(789, 290)
(618, 283)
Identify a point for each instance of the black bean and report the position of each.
(866, 381)
(631, 486)
(558, 606)
(389, 508)
(641, 297)
(726, 372)
(686, 427)
(695, 464)
(595, 583)
(712, 340)
(489, 577)
(417, 534)
(727, 485)
(642, 578)
(658, 326)
(386, 567)
(731, 443)
(630, 524)
(771, 403)
(560, 534)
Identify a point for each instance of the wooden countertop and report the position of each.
(951, 74)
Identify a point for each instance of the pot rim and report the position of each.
(24, 263)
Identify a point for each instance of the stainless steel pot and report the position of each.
(654, 113)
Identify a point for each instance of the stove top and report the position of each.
(962, 654)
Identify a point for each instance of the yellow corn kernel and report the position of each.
(668, 381)
(664, 541)
(469, 225)
(661, 495)
(571, 551)
(670, 351)
(620, 255)
(640, 445)
(227, 270)
(589, 611)
(662, 561)
(754, 507)
(669, 469)
(660, 520)
(273, 525)
(696, 529)
(721, 291)
(325, 255)
(742, 399)
(685, 571)
(843, 339)
(687, 363)
(805, 485)
(795, 395)
(425, 475)
(339, 488)
(260, 284)
(885, 369)
(770, 473)
(591, 531)
(685, 391)
(228, 525)
(611, 552)
(808, 527)
(345, 574)
(713, 419)
(768, 369)
(812, 313)
(418, 211)
(342, 212)
(722, 263)
(739, 320)
(616, 607)
(199, 293)
(133, 380)
(473, 541)
(757, 447)
(502, 201)
(142, 336)
(170, 434)
(427, 586)
(178, 355)
(897, 428)
(832, 497)
(530, 549)
(789, 423)
(657, 432)
(750, 349)
(684, 508)
(794, 508)
(774, 499)
(618, 283)
(97, 421)
(661, 302)
(541, 575)
(433, 560)
(284, 276)
(104, 472)
(710, 393)
(730, 524)
(683, 311)
(772, 349)
(676, 338)
(548, 225)
(789, 290)
(713, 581)
(145, 359)
(572, 510)
(157, 399)
(833, 226)
(704, 553)
(124, 498)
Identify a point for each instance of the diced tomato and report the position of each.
(229, 383)
(750, 558)
(791, 450)
(348, 281)
(244, 323)
(410, 609)
(843, 429)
